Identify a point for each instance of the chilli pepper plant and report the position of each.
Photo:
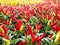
(30, 25)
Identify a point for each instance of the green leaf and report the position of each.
(16, 40)
(59, 23)
(39, 34)
(47, 41)
(33, 20)
(1, 41)
(44, 21)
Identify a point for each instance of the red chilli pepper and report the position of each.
(6, 37)
(5, 10)
(22, 43)
(29, 29)
(41, 37)
(39, 43)
(34, 38)
(50, 35)
(56, 27)
(5, 28)
(38, 27)
(19, 24)
(1, 34)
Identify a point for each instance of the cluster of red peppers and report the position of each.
(29, 21)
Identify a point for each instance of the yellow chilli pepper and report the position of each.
(1, 29)
(49, 21)
(7, 41)
(21, 28)
(58, 37)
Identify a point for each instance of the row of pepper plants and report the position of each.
(20, 2)
(30, 24)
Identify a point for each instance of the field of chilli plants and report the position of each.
(30, 24)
